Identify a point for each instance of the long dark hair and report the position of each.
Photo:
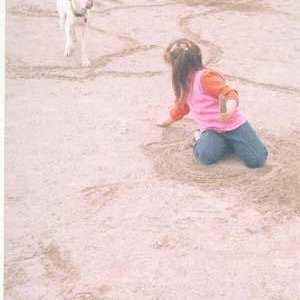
(185, 57)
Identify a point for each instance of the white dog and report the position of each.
(71, 13)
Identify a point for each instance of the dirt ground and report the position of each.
(103, 205)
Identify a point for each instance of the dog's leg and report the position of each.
(68, 33)
(84, 56)
(74, 37)
(62, 19)
(61, 13)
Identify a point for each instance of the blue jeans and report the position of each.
(243, 141)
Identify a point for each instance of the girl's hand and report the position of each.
(231, 106)
(227, 116)
(165, 123)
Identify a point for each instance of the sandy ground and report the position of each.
(101, 204)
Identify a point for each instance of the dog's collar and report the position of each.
(82, 13)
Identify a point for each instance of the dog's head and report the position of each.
(86, 4)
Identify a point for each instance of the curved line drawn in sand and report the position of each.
(92, 200)
(275, 187)
(53, 263)
(165, 242)
(270, 86)
(36, 11)
(87, 296)
(59, 72)
(27, 70)
(56, 262)
(14, 275)
(95, 293)
(59, 267)
(97, 197)
(215, 52)
(237, 5)
(31, 11)
(24, 70)
(127, 7)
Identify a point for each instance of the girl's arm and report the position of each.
(165, 122)
(177, 112)
(213, 83)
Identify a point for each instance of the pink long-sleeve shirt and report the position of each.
(203, 103)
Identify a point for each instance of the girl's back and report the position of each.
(204, 104)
